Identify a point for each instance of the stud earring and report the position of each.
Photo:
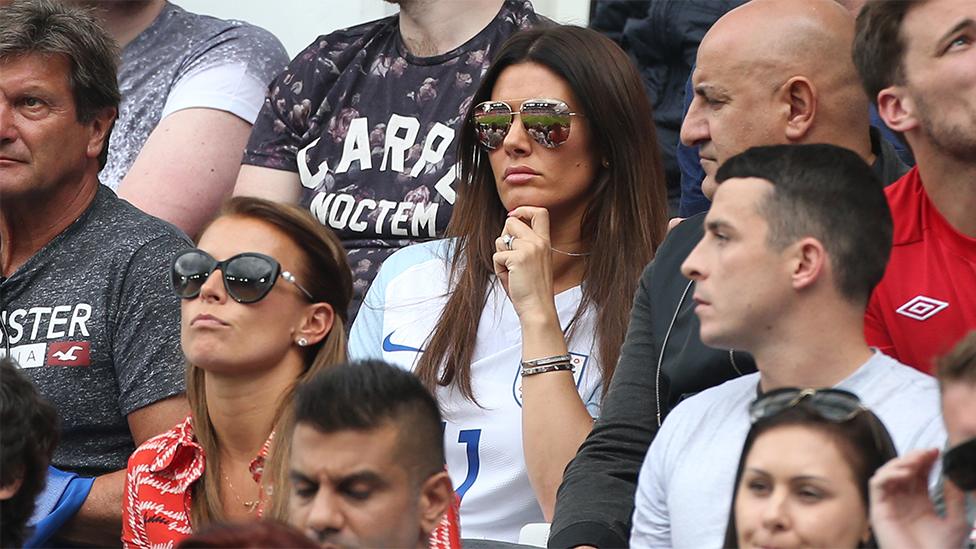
(302, 342)
(605, 163)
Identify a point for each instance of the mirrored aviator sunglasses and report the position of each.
(247, 277)
(959, 465)
(832, 404)
(547, 121)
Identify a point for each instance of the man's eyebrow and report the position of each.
(363, 476)
(709, 89)
(717, 224)
(967, 22)
(297, 476)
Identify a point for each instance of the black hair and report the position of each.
(365, 395)
(829, 193)
(863, 442)
(28, 436)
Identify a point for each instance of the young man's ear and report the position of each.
(897, 109)
(809, 261)
(436, 497)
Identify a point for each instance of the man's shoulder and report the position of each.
(197, 28)
(122, 225)
(350, 39)
(719, 401)
(898, 380)
(905, 199)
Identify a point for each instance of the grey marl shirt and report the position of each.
(93, 322)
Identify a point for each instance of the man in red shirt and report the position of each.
(917, 59)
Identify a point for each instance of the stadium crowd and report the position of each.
(418, 287)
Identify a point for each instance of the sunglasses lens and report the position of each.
(546, 121)
(831, 404)
(190, 270)
(959, 465)
(835, 406)
(249, 278)
(492, 120)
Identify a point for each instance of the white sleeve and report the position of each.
(651, 521)
(226, 87)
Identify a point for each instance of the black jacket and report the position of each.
(661, 362)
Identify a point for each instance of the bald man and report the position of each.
(792, 83)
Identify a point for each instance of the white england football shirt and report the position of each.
(483, 442)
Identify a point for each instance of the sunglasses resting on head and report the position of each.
(248, 277)
(546, 120)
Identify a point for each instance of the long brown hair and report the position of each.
(625, 220)
(325, 274)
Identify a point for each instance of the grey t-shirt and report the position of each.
(93, 322)
(185, 60)
(685, 488)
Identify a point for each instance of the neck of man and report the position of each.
(126, 20)
(435, 27)
(242, 407)
(949, 184)
(29, 222)
(812, 346)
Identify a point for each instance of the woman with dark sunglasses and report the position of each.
(803, 476)
(516, 321)
(255, 323)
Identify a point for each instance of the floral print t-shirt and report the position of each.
(371, 130)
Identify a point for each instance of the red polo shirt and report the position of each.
(926, 301)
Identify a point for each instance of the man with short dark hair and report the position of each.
(916, 60)
(796, 239)
(84, 303)
(367, 459)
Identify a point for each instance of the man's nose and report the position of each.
(694, 128)
(326, 516)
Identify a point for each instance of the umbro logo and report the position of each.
(921, 307)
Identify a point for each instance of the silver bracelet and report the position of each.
(566, 365)
(546, 361)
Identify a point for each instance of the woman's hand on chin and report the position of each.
(524, 263)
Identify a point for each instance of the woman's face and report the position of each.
(797, 490)
(529, 174)
(221, 335)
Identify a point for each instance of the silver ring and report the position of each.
(508, 239)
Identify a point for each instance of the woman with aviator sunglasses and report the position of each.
(803, 476)
(265, 297)
(515, 322)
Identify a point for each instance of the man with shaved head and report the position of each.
(768, 72)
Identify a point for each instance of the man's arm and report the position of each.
(596, 499)
(187, 167)
(276, 185)
(99, 521)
